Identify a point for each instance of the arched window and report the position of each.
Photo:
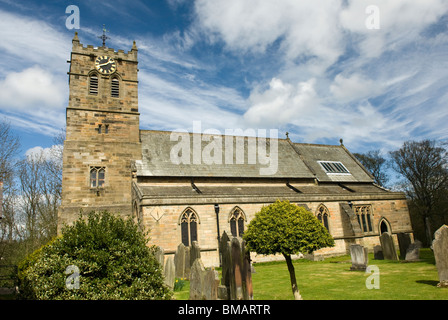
(322, 216)
(384, 226)
(364, 215)
(97, 177)
(189, 226)
(237, 219)
(115, 88)
(93, 84)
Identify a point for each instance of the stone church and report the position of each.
(110, 163)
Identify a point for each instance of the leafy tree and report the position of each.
(112, 257)
(288, 229)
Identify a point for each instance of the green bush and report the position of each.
(112, 257)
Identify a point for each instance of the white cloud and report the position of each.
(354, 87)
(52, 154)
(305, 28)
(32, 89)
(281, 103)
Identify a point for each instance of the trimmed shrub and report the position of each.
(111, 256)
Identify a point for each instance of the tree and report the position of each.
(375, 163)
(110, 256)
(288, 229)
(9, 148)
(424, 166)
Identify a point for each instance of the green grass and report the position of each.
(332, 279)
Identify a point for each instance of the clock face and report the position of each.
(105, 64)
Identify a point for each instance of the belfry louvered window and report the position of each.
(189, 227)
(115, 88)
(93, 85)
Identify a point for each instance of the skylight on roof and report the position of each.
(333, 167)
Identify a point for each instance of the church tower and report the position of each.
(102, 131)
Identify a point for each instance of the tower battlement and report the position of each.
(79, 48)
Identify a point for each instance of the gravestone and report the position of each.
(387, 244)
(203, 283)
(179, 261)
(236, 281)
(195, 252)
(413, 252)
(197, 269)
(404, 241)
(170, 272)
(378, 253)
(440, 248)
(210, 285)
(160, 255)
(360, 257)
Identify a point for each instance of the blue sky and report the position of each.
(312, 68)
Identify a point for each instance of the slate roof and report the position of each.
(295, 160)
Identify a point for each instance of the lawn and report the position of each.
(332, 279)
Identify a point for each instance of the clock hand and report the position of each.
(103, 64)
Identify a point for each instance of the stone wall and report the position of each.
(164, 223)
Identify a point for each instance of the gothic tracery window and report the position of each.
(237, 222)
(189, 226)
(322, 216)
(364, 215)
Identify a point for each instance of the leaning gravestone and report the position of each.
(440, 247)
(404, 241)
(388, 246)
(360, 257)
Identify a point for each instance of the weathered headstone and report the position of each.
(440, 247)
(388, 246)
(404, 241)
(236, 284)
(170, 272)
(187, 265)
(203, 283)
(160, 255)
(195, 252)
(236, 281)
(196, 278)
(413, 252)
(378, 253)
(179, 261)
(360, 257)
(210, 284)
